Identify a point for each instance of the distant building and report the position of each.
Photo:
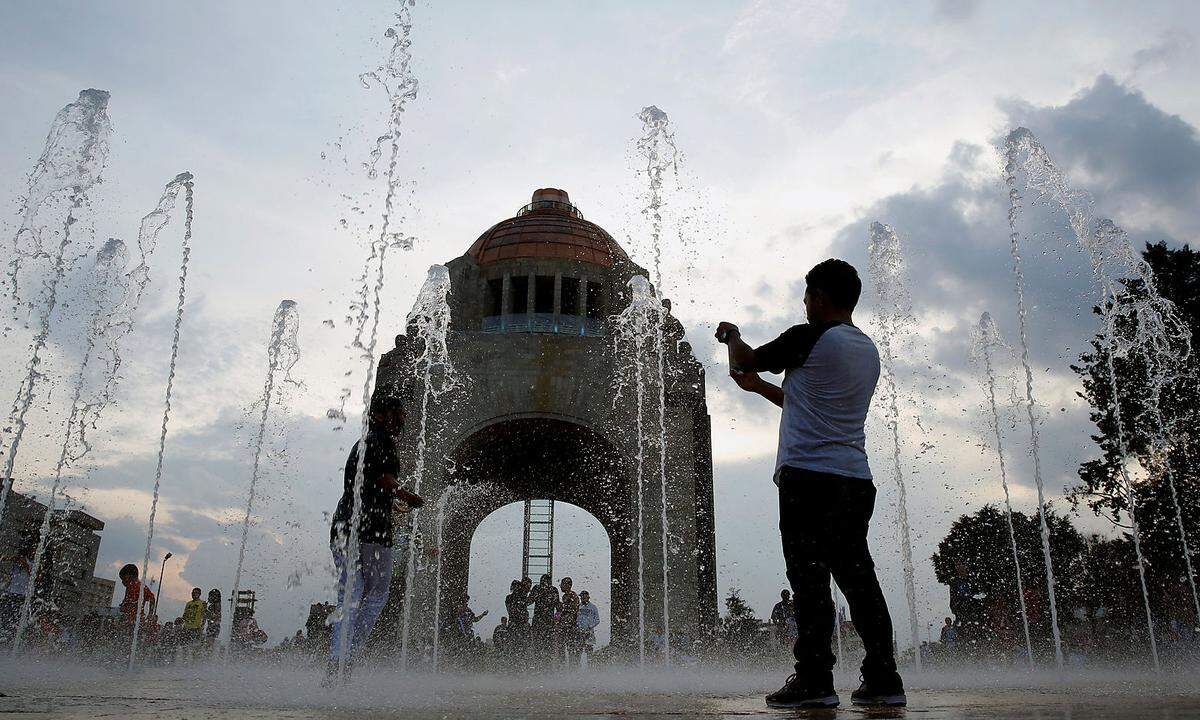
(70, 560)
(99, 596)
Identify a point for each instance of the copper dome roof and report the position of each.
(548, 227)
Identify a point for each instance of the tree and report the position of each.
(740, 626)
(1102, 485)
(980, 545)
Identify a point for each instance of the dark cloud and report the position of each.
(1130, 154)
(1143, 167)
(1137, 159)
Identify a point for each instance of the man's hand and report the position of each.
(726, 331)
(748, 381)
(751, 382)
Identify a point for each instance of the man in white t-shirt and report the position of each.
(826, 496)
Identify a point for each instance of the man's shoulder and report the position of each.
(842, 337)
(851, 330)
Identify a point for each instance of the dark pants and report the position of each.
(823, 520)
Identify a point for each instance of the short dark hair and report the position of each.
(838, 280)
(130, 570)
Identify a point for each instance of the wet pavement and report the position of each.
(201, 692)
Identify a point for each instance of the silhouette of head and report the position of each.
(388, 413)
(128, 574)
(833, 288)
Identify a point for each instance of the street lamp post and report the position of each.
(161, 572)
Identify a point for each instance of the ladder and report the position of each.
(537, 554)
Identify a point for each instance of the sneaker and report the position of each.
(797, 693)
(876, 692)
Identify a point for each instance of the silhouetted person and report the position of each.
(467, 618)
(246, 634)
(586, 623)
(381, 496)
(500, 637)
(949, 633)
(780, 615)
(517, 605)
(545, 605)
(826, 496)
(212, 618)
(193, 624)
(133, 589)
(967, 608)
(567, 614)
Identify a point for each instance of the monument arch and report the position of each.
(537, 418)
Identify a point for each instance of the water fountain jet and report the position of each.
(71, 164)
(283, 352)
(108, 282)
(985, 339)
(657, 146)
(396, 78)
(633, 329)
(184, 179)
(430, 320)
(1161, 337)
(894, 318)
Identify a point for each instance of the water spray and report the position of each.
(69, 167)
(894, 317)
(283, 352)
(186, 180)
(985, 339)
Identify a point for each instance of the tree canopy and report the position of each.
(1156, 435)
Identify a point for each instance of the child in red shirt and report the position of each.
(129, 605)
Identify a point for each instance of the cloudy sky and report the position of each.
(800, 123)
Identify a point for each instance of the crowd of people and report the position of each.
(190, 636)
(558, 632)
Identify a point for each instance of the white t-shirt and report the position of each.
(830, 371)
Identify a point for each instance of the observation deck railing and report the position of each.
(563, 207)
(547, 323)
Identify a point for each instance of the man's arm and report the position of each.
(391, 484)
(751, 382)
(741, 355)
